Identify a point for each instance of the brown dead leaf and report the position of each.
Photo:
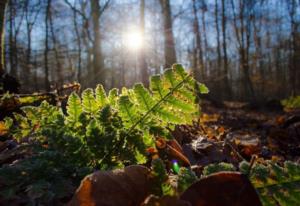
(209, 118)
(3, 129)
(247, 143)
(222, 189)
(129, 186)
(164, 201)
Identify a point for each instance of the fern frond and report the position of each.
(101, 97)
(144, 99)
(74, 109)
(89, 103)
(280, 185)
(113, 96)
(127, 110)
(171, 99)
(157, 87)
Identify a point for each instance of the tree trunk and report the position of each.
(170, 52)
(218, 37)
(26, 70)
(198, 57)
(2, 22)
(143, 63)
(12, 53)
(60, 79)
(219, 86)
(293, 47)
(98, 62)
(48, 7)
(243, 38)
(78, 39)
(203, 18)
(225, 59)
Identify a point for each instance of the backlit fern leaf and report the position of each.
(143, 97)
(74, 109)
(113, 96)
(101, 97)
(89, 103)
(127, 110)
(170, 100)
(277, 185)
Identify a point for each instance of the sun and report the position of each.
(133, 39)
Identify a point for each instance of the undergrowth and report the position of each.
(103, 131)
(98, 131)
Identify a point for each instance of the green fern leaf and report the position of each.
(101, 97)
(168, 117)
(74, 109)
(113, 96)
(277, 184)
(218, 167)
(202, 88)
(157, 87)
(143, 97)
(89, 103)
(127, 110)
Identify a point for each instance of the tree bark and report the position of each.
(294, 48)
(198, 58)
(2, 22)
(218, 37)
(243, 39)
(60, 79)
(170, 52)
(143, 62)
(225, 58)
(98, 62)
(47, 15)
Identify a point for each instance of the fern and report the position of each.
(101, 97)
(170, 100)
(107, 131)
(277, 185)
(218, 167)
(89, 103)
(74, 109)
(186, 178)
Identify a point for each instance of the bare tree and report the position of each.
(294, 46)
(170, 53)
(2, 20)
(242, 31)
(55, 48)
(98, 59)
(198, 64)
(224, 46)
(143, 63)
(31, 14)
(46, 51)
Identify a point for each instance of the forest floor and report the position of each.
(235, 132)
(229, 133)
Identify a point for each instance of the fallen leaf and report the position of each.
(222, 189)
(164, 201)
(3, 129)
(129, 186)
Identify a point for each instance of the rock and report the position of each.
(129, 187)
(222, 189)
